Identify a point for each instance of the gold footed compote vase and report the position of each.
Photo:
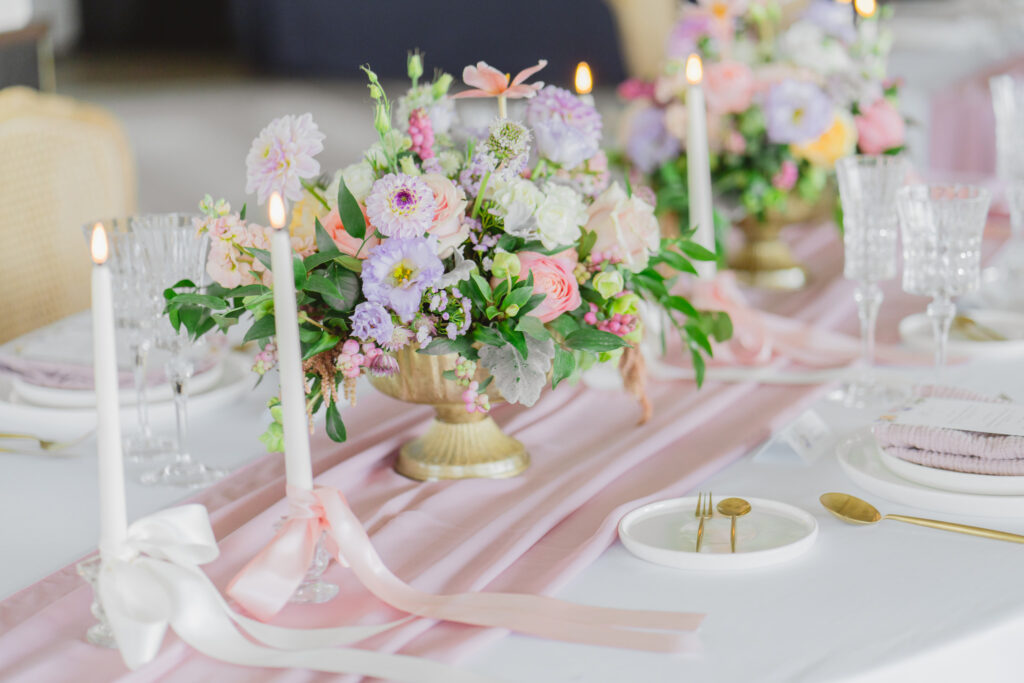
(458, 444)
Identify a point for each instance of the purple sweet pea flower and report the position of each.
(682, 41)
(650, 144)
(398, 271)
(371, 321)
(796, 111)
(568, 129)
(834, 18)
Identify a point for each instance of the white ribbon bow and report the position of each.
(153, 581)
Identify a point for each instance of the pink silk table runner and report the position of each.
(529, 534)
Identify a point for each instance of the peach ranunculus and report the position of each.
(838, 141)
(552, 277)
(626, 227)
(346, 243)
(448, 225)
(729, 86)
(880, 127)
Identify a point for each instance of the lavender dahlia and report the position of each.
(650, 144)
(371, 321)
(568, 129)
(397, 273)
(400, 205)
(796, 111)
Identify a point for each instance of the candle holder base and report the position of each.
(99, 634)
(312, 590)
(185, 473)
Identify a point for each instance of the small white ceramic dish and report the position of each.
(861, 460)
(916, 333)
(665, 533)
(959, 482)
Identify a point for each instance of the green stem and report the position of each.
(312, 189)
(502, 108)
(480, 195)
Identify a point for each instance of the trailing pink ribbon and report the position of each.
(266, 583)
(759, 337)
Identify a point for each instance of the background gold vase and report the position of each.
(458, 444)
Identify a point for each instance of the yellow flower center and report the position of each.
(720, 10)
(403, 272)
(798, 115)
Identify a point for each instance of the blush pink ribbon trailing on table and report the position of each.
(267, 582)
(759, 337)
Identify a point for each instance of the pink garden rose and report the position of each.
(448, 225)
(879, 127)
(626, 227)
(553, 277)
(729, 87)
(346, 243)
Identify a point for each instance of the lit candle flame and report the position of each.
(275, 208)
(584, 79)
(694, 70)
(865, 8)
(98, 244)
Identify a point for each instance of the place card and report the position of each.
(803, 439)
(969, 416)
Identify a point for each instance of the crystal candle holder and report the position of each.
(99, 634)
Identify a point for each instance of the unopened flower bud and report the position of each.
(609, 283)
(506, 265)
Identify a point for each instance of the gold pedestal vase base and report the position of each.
(768, 264)
(463, 446)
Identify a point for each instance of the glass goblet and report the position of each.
(178, 253)
(867, 189)
(941, 226)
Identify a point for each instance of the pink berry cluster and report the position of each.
(354, 358)
(265, 360)
(476, 401)
(597, 258)
(422, 134)
(620, 323)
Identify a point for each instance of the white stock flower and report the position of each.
(517, 201)
(359, 179)
(560, 216)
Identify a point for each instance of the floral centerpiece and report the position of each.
(786, 99)
(506, 252)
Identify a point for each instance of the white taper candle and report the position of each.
(298, 467)
(698, 166)
(113, 517)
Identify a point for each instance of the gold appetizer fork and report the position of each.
(44, 444)
(704, 510)
(974, 330)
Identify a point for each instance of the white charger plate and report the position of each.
(49, 422)
(665, 533)
(948, 480)
(53, 397)
(861, 460)
(916, 333)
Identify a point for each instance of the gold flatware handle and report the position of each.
(975, 330)
(700, 534)
(732, 535)
(962, 528)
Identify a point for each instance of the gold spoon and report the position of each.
(733, 507)
(856, 511)
(974, 330)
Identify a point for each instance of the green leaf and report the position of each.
(335, 425)
(318, 259)
(487, 335)
(326, 341)
(587, 241)
(442, 345)
(349, 263)
(564, 325)
(449, 375)
(518, 297)
(590, 339)
(246, 290)
(721, 327)
(562, 367)
(324, 242)
(299, 269)
(698, 366)
(262, 255)
(204, 300)
(351, 215)
(326, 288)
(680, 304)
(697, 252)
(533, 327)
(241, 214)
(309, 334)
(514, 337)
(261, 329)
(535, 301)
(491, 312)
(483, 286)
(697, 337)
(347, 284)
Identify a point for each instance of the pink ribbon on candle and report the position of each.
(266, 583)
(760, 337)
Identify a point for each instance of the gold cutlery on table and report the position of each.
(45, 445)
(733, 507)
(972, 329)
(856, 511)
(704, 510)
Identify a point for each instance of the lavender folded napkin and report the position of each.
(953, 449)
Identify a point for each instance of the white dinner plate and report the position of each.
(916, 332)
(665, 533)
(48, 422)
(53, 397)
(861, 460)
(948, 480)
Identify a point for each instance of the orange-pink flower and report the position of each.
(487, 81)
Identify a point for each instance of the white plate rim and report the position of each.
(956, 482)
(717, 561)
(923, 342)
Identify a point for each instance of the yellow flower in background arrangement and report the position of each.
(838, 140)
(304, 215)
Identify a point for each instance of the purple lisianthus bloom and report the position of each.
(398, 271)
(796, 111)
(371, 321)
(401, 205)
(682, 41)
(568, 129)
(834, 18)
(649, 144)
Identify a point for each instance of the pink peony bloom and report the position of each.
(626, 227)
(552, 277)
(487, 81)
(879, 127)
(282, 155)
(635, 89)
(729, 86)
(735, 143)
(448, 225)
(786, 177)
(346, 243)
